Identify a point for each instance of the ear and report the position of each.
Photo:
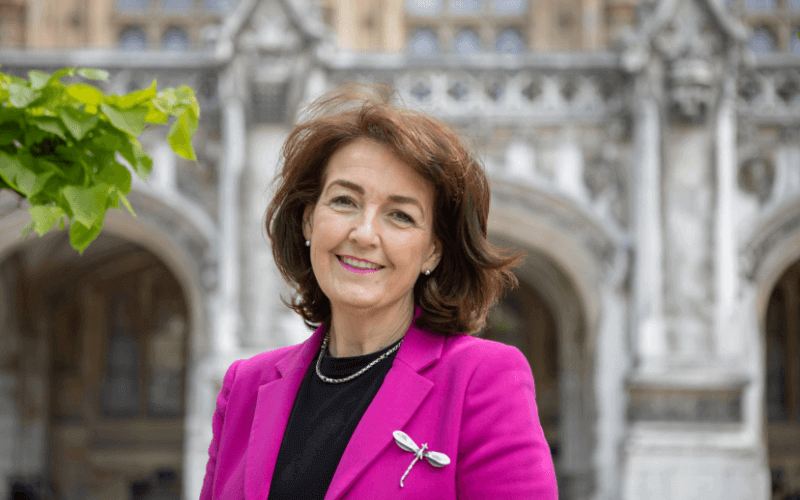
(434, 255)
(308, 221)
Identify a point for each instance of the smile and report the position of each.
(357, 265)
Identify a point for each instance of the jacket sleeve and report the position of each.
(217, 424)
(502, 450)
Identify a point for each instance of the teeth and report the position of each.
(358, 264)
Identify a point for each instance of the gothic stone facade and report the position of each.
(655, 188)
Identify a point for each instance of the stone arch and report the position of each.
(170, 232)
(183, 237)
(569, 258)
(771, 248)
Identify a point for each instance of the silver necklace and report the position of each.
(358, 373)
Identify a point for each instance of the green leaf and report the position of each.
(77, 122)
(137, 97)
(20, 95)
(38, 79)
(87, 204)
(86, 93)
(58, 75)
(50, 124)
(93, 74)
(80, 235)
(9, 131)
(125, 202)
(117, 175)
(45, 217)
(128, 120)
(17, 176)
(180, 136)
(143, 164)
(28, 229)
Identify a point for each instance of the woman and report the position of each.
(379, 222)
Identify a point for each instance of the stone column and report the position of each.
(648, 278)
(227, 318)
(728, 340)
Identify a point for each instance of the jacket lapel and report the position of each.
(273, 406)
(401, 393)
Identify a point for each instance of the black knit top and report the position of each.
(324, 417)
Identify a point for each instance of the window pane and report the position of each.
(132, 4)
(794, 4)
(763, 41)
(795, 45)
(509, 6)
(424, 43)
(120, 392)
(760, 4)
(466, 6)
(510, 41)
(176, 4)
(175, 39)
(466, 42)
(133, 38)
(423, 7)
(219, 4)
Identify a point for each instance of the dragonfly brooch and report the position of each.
(434, 457)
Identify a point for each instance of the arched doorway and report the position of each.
(524, 320)
(543, 318)
(102, 338)
(782, 346)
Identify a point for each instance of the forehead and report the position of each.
(376, 168)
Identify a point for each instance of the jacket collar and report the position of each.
(401, 393)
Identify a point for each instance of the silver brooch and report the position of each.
(434, 457)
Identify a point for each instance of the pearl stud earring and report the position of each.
(308, 243)
(427, 272)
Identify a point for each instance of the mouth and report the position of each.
(358, 265)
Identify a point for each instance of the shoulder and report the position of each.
(257, 369)
(477, 352)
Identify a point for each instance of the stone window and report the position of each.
(176, 5)
(219, 4)
(423, 7)
(424, 42)
(466, 27)
(120, 396)
(763, 40)
(774, 24)
(467, 42)
(509, 41)
(132, 5)
(133, 38)
(170, 25)
(175, 39)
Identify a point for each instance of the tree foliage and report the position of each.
(69, 148)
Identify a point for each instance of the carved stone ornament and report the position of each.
(692, 48)
(693, 38)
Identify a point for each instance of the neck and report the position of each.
(359, 332)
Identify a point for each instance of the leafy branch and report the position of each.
(69, 149)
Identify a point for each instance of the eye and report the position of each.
(402, 216)
(342, 200)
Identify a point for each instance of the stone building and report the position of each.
(645, 156)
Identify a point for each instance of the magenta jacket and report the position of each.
(469, 398)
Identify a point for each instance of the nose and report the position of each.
(364, 231)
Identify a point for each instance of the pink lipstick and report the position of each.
(356, 270)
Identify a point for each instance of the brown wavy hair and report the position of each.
(472, 273)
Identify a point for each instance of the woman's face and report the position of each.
(371, 230)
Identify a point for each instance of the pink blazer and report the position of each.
(469, 398)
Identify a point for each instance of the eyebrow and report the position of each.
(396, 198)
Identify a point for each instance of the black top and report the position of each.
(323, 418)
